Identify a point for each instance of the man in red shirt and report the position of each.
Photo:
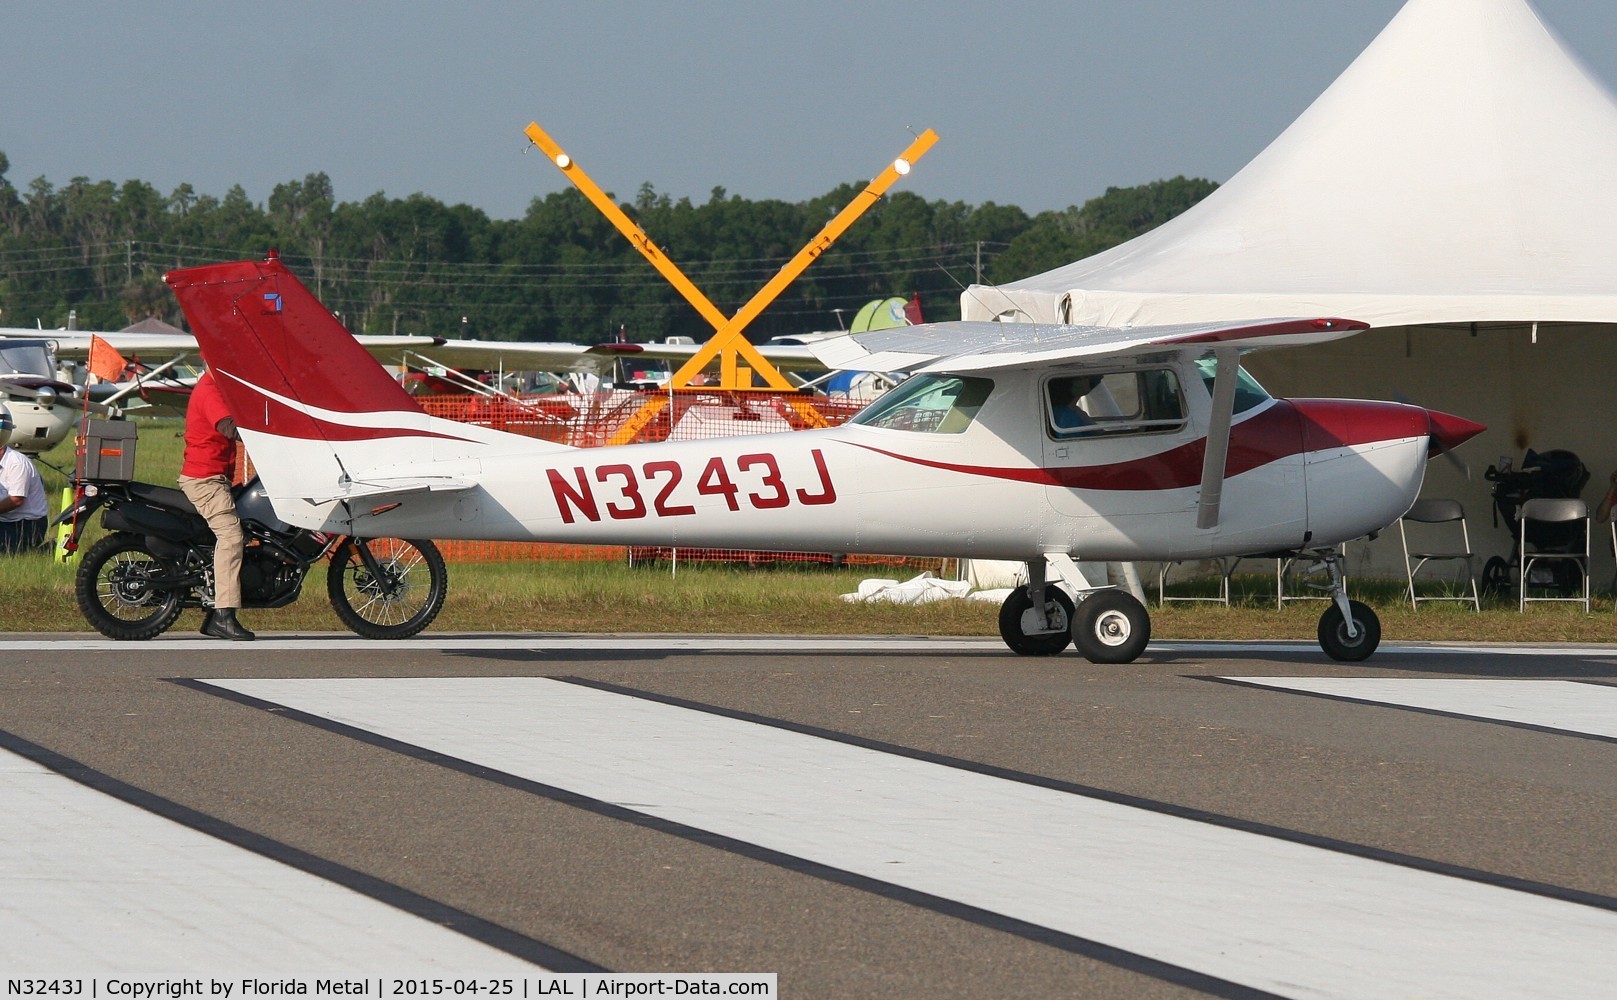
(210, 459)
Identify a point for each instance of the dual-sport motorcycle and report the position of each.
(157, 560)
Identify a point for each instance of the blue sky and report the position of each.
(1040, 105)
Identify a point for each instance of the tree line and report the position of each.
(561, 272)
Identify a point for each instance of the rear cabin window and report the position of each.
(1132, 402)
(930, 404)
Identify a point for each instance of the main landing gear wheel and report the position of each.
(1016, 618)
(1333, 637)
(1111, 626)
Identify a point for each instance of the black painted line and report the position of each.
(1545, 889)
(449, 917)
(1531, 727)
(1126, 960)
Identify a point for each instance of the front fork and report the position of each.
(385, 583)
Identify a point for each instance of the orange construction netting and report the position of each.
(633, 416)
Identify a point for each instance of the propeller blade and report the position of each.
(1447, 433)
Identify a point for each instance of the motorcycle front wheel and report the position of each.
(117, 592)
(396, 598)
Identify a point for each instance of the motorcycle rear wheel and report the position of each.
(115, 592)
(399, 602)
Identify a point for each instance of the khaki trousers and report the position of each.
(210, 495)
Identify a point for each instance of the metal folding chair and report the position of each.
(1283, 568)
(1431, 548)
(1545, 511)
(1226, 567)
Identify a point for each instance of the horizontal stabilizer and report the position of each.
(370, 489)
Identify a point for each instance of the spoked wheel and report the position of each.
(1333, 637)
(116, 590)
(395, 594)
(1111, 626)
(1016, 618)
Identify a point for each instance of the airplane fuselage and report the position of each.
(1003, 484)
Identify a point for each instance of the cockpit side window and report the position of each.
(1248, 393)
(1129, 402)
(929, 404)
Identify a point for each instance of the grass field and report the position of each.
(609, 597)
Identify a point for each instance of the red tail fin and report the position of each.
(254, 321)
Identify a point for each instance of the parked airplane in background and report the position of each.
(43, 406)
(1038, 443)
(152, 378)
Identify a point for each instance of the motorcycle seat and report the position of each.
(162, 496)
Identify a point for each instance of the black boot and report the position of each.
(207, 622)
(223, 625)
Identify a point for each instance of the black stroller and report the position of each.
(1555, 475)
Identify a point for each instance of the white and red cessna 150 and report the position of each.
(1043, 444)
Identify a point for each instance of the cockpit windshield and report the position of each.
(27, 357)
(930, 404)
(1248, 393)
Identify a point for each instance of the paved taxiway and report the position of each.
(899, 817)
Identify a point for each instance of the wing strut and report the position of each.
(1218, 436)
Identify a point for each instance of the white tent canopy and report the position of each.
(1463, 169)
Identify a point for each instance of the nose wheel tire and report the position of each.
(1016, 618)
(1333, 637)
(1111, 626)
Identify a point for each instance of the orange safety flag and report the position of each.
(106, 363)
(912, 309)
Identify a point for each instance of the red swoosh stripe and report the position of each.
(281, 420)
(1287, 428)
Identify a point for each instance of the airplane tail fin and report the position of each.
(255, 322)
(321, 418)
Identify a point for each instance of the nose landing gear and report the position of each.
(1348, 630)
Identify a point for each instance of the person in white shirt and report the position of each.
(22, 496)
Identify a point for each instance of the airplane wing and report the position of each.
(75, 344)
(979, 345)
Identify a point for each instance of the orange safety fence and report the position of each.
(594, 419)
(636, 416)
